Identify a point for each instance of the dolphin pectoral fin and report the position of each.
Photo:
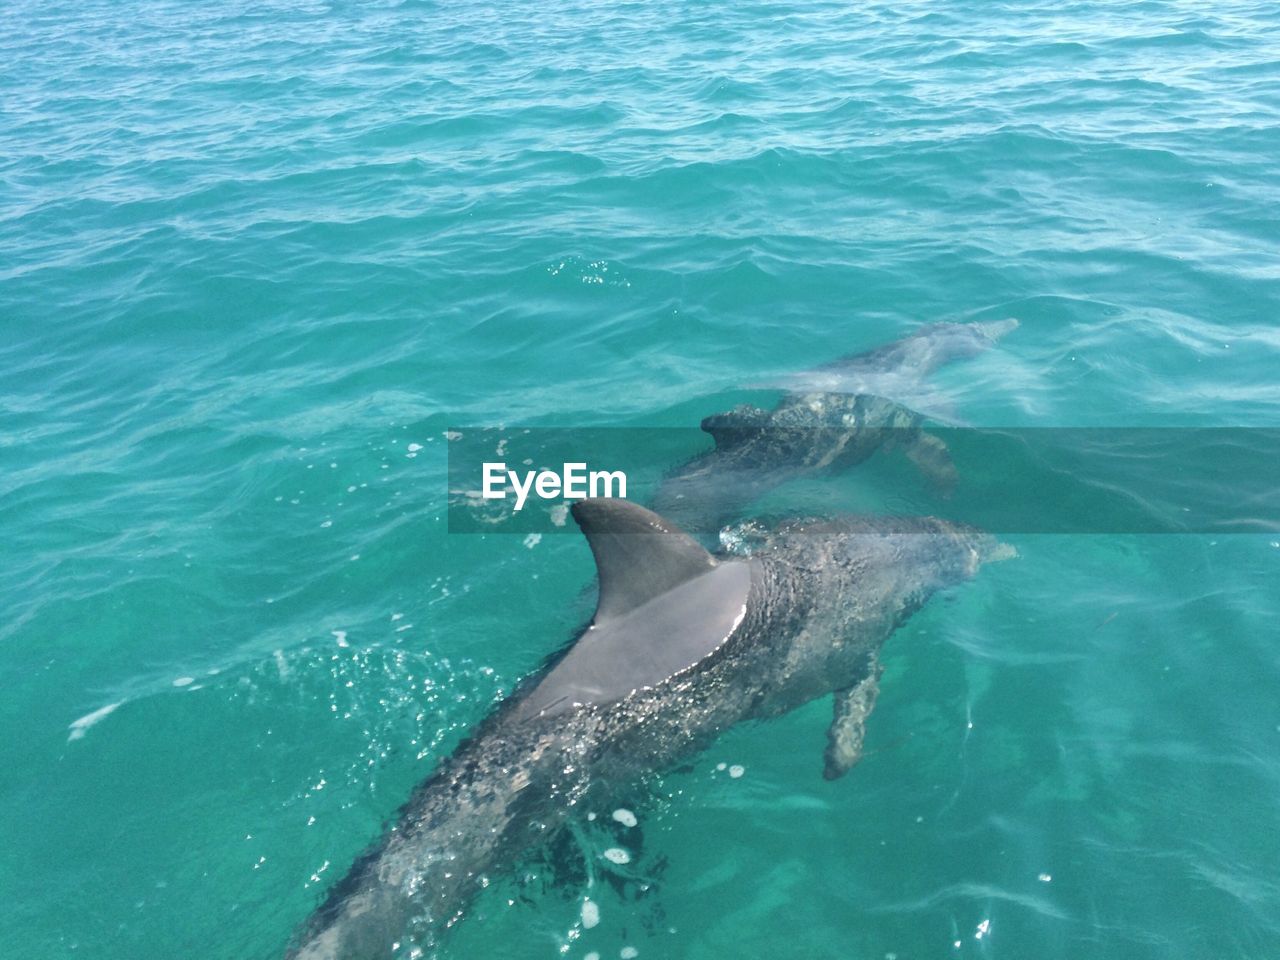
(848, 727)
(932, 458)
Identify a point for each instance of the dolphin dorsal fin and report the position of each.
(638, 555)
(735, 427)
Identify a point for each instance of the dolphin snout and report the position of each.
(993, 330)
(994, 551)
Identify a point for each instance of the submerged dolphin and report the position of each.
(839, 415)
(896, 369)
(682, 646)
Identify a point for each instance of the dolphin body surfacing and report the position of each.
(682, 646)
(812, 434)
(834, 417)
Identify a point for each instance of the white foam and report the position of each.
(592, 956)
(415, 447)
(532, 540)
(341, 637)
(737, 770)
(617, 855)
(628, 953)
(183, 681)
(590, 914)
(625, 817)
(78, 727)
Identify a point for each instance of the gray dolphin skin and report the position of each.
(835, 417)
(683, 645)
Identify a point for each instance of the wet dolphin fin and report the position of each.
(735, 427)
(932, 458)
(848, 727)
(639, 555)
(665, 605)
(906, 427)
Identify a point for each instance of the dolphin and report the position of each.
(895, 370)
(758, 450)
(833, 417)
(683, 645)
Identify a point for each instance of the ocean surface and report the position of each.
(257, 259)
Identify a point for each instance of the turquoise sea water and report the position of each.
(256, 259)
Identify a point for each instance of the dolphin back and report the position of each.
(463, 824)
